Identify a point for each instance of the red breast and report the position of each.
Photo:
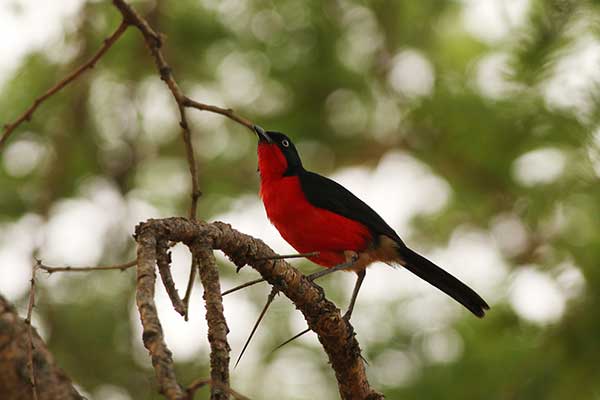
(306, 227)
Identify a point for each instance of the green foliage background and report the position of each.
(295, 52)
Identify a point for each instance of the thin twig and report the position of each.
(189, 152)
(188, 290)
(121, 267)
(200, 383)
(153, 40)
(228, 112)
(31, 346)
(26, 116)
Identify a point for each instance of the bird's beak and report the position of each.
(262, 135)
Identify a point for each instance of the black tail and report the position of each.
(442, 280)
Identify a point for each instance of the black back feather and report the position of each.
(325, 193)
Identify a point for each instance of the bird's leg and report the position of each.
(359, 281)
(351, 260)
(274, 291)
(311, 277)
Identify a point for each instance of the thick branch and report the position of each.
(217, 326)
(153, 335)
(51, 381)
(335, 334)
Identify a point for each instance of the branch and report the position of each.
(217, 326)
(26, 116)
(121, 267)
(335, 334)
(163, 260)
(154, 42)
(152, 336)
(228, 112)
(51, 381)
(188, 290)
(31, 346)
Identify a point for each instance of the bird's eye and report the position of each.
(285, 143)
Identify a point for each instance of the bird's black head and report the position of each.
(277, 155)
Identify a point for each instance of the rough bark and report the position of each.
(152, 336)
(15, 382)
(215, 318)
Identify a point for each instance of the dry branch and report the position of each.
(189, 288)
(163, 260)
(121, 267)
(31, 347)
(153, 41)
(152, 336)
(215, 318)
(227, 112)
(323, 317)
(51, 381)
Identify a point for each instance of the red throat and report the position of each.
(271, 161)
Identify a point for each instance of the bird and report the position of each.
(317, 215)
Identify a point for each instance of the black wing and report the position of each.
(325, 193)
